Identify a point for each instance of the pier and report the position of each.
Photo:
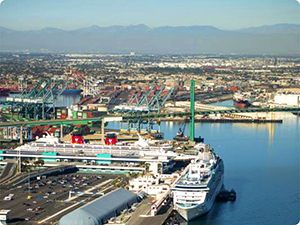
(141, 215)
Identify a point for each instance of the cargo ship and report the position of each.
(241, 104)
(241, 101)
(196, 190)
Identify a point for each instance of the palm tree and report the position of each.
(159, 166)
(39, 162)
(147, 166)
(25, 166)
(24, 161)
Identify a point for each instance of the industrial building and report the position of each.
(287, 99)
(100, 210)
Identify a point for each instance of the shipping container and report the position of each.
(74, 114)
(84, 115)
(87, 114)
(164, 92)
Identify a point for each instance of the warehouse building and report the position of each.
(287, 99)
(100, 210)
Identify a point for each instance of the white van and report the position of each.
(7, 198)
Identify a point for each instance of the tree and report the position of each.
(25, 166)
(39, 162)
(147, 166)
(159, 166)
(24, 161)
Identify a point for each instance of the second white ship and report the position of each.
(195, 192)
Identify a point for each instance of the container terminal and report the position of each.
(60, 163)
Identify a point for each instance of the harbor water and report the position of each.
(261, 164)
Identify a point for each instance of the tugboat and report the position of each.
(296, 113)
(180, 136)
(199, 139)
(225, 196)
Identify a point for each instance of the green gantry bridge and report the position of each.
(206, 112)
(145, 116)
(50, 122)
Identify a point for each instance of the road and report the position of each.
(9, 171)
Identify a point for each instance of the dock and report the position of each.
(142, 215)
(224, 120)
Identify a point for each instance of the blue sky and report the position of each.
(73, 14)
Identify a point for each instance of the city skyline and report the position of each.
(227, 15)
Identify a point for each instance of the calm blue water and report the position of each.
(67, 100)
(261, 164)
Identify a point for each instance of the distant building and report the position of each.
(287, 99)
(153, 185)
(142, 183)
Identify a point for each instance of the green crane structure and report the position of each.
(144, 99)
(158, 101)
(192, 107)
(37, 103)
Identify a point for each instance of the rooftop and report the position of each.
(101, 209)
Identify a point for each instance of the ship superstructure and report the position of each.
(196, 190)
(241, 100)
(141, 147)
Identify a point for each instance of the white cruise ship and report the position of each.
(141, 147)
(196, 190)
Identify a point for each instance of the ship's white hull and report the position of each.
(190, 213)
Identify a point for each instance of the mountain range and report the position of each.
(270, 39)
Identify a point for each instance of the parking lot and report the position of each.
(39, 199)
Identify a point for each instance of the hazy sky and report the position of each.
(72, 14)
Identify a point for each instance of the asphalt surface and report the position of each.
(7, 172)
(138, 217)
(143, 209)
(48, 195)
